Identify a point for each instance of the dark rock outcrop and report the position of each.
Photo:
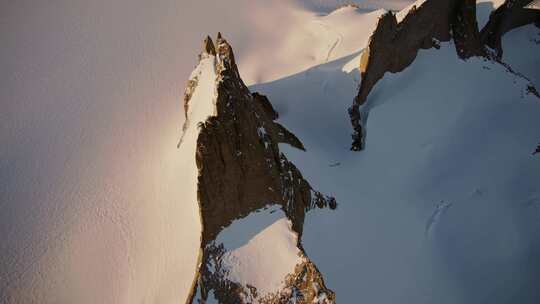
(465, 31)
(393, 46)
(511, 14)
(537, 150)
(240, 166)
(241, 170)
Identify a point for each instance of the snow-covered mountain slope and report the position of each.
(309, 39)
(97, 204)
(202, 95)
(442, 206)
(91, 183)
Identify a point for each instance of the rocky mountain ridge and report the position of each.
(241, 170)
(394, 44)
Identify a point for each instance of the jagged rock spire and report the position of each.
(226, 57)
(208, 46)
(241, 170)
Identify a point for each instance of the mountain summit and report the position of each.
(241, 171)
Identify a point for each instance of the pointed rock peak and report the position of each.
(223, 47)
(226, 56)
(208, 46)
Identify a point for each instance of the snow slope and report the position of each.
(484, 8)
(261, 250)
(308, 39)
(92, 204)
(442, 206)
(201, 106)
(526, 35)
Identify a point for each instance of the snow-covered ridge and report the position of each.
(199, 104)
(200, 94)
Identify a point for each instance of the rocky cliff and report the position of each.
(394, 44)
(511, 14)
(241, 170)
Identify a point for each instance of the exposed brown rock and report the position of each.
(304, 285)
(511, 14)
(465, 31)
(241, 169)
